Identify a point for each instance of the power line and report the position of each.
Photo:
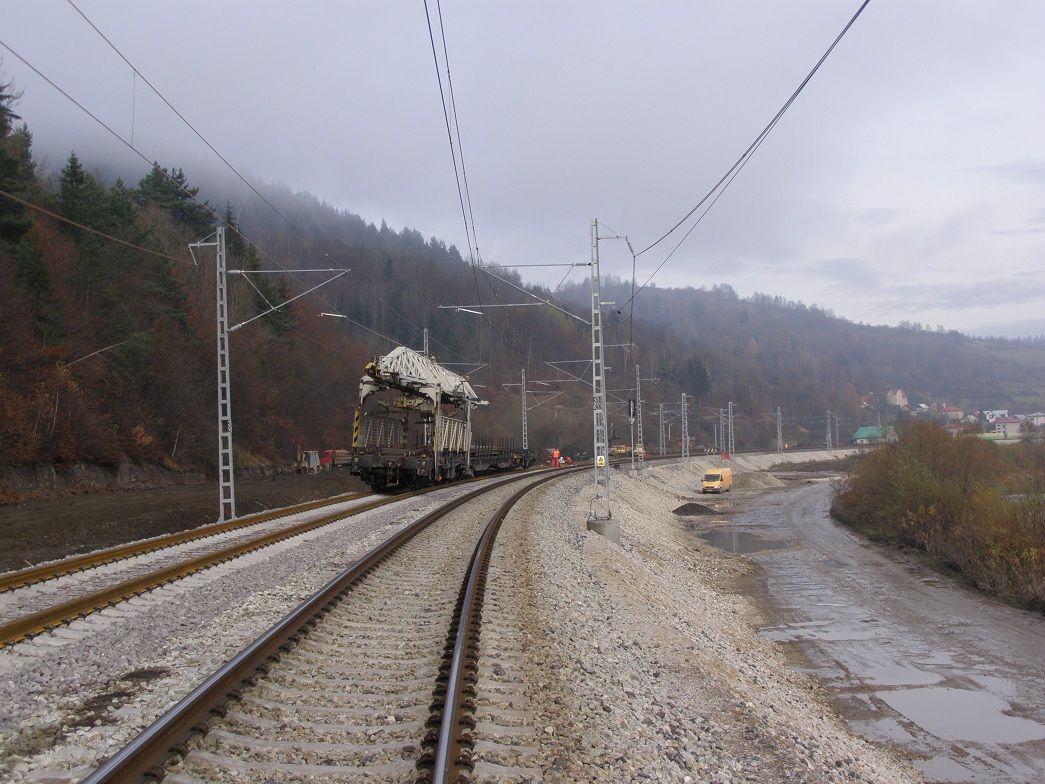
(731, 172)
(457, 130)
(453, 152)
(140, 154)
(56, 216)
(191, 127)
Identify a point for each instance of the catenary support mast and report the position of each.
(525, 431)
(660, 422)
(600, 506)
(685, 427)
(638, 417)
(226, 474)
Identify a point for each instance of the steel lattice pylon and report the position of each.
(660, 422)
(226, 475)
(600, 508)
(730, 445)
(638, 417)
(525, 429)
(685, 427)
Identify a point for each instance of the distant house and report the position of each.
(952, 413)
(873, 434)
(897, 397)
(869, 400)
(1008, 427)
(1037, 419)
(989, 417)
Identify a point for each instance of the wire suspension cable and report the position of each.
(765, 131)
(192, 128)
(457, 131)
(453, 153)
(63, 219)
(181, 186)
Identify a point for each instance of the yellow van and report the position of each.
(717, 480)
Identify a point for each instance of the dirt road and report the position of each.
(911, 658)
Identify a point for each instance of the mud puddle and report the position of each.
(909, 657)
(732, 540)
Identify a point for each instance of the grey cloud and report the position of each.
(985, 290)
(1021, 171)
(845, 271)
(879, 216)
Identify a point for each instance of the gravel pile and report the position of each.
(642, 667)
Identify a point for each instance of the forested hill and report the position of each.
(107, 350)
(763, 349)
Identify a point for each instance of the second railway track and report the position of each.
(373, 678)
(34, 600)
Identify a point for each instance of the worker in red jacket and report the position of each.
(555, 458)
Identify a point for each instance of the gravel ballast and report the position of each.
(643, 667)
(71, 698)
(632, 663)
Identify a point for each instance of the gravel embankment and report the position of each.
(631, 663)
(643, 667)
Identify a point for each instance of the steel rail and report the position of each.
(150, 750)
(453, 750)
(79, 563)
(56, 615)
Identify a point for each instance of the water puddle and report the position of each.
(739, 541)
(961, 714)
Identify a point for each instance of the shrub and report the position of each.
(976, 506)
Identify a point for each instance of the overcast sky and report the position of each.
(906, 183)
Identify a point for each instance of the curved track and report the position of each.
(28, 610)
(29, 613)
(345, 686)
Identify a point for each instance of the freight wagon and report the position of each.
(413, 427)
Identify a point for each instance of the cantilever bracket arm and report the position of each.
(284, 304)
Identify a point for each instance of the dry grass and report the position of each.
(974, 505)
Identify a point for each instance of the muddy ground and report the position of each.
(46, 529)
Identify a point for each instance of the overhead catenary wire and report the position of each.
(88, 229)
(181, 187)
(199, 135)
(457, 130)
(453, 151)
(730, 173)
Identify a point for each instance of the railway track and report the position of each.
(27, 609)
(375, 677)
(78, 563)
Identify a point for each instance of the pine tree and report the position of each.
(80, 197)
(35, 277)
(233, 239)
(16, 168)
(170, 190)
